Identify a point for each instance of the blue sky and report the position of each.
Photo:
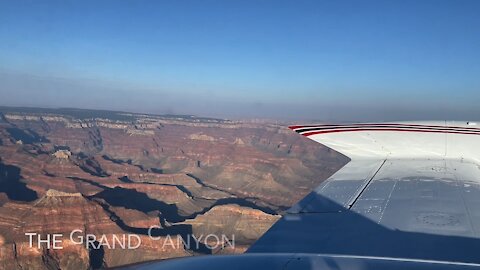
(325, 60)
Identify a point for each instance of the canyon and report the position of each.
(115, 173)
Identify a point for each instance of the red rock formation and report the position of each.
(182, 175)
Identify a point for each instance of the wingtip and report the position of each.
(294, 127)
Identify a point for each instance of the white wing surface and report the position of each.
(411, 191)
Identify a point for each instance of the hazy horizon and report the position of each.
(285, 60)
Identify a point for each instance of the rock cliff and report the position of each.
(113, 174)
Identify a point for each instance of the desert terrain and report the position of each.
(112, 173)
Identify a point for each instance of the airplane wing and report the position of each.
(408, 199)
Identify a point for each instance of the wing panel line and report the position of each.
(360, 191)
